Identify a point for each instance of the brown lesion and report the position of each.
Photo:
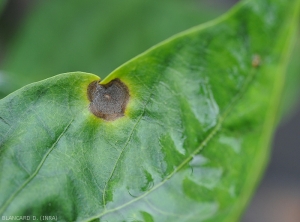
(108, 101)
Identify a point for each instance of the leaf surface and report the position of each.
(191, 145)
(94, 36)
(291, 90)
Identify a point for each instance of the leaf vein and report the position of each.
(210, 136)
(122, 151)
(12, 197)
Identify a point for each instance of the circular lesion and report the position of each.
(108, 101)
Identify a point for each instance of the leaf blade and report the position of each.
(140, 165)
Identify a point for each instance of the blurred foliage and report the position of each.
(93, 36)
(2, 4)
(193, 139)
(97, 36)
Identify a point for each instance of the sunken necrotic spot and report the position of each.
(108, 101)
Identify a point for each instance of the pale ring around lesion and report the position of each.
(108, 101)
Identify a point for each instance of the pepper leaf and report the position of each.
(179, 133)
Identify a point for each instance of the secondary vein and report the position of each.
(11, 198)
(211, 135)
(122, 151)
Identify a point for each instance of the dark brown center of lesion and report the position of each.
(108, 101)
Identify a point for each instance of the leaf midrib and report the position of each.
(210, 136)
(272, 113)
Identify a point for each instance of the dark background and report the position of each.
(278, 196)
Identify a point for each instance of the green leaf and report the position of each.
(291, 90)
(191, 145)
(94, 36)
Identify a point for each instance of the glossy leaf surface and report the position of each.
(105, 35)
(190, 147)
